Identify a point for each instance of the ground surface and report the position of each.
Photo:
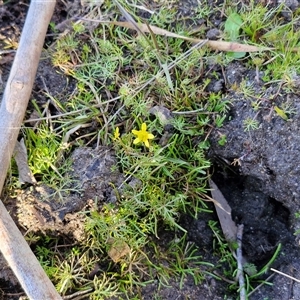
(263, 188)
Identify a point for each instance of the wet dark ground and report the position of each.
(263, 190)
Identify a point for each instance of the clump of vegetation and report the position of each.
(148, 98)
(120, 76)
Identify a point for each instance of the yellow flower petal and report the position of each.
(117, 133)
(146, 142)
(144, 127)
(150, 136)
(136, 141)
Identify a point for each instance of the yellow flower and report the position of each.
(117, 133)
(143, 135)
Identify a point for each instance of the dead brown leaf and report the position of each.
(118, 249)
(224, 213)
(20, 155)
(216, 45)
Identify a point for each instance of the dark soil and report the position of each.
(263, 188)
(263, 191)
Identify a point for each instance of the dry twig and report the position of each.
(286, 275)
(239, 257)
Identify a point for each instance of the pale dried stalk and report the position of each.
(239, 256)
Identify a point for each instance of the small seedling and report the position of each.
(250, 124)
(223, 140)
